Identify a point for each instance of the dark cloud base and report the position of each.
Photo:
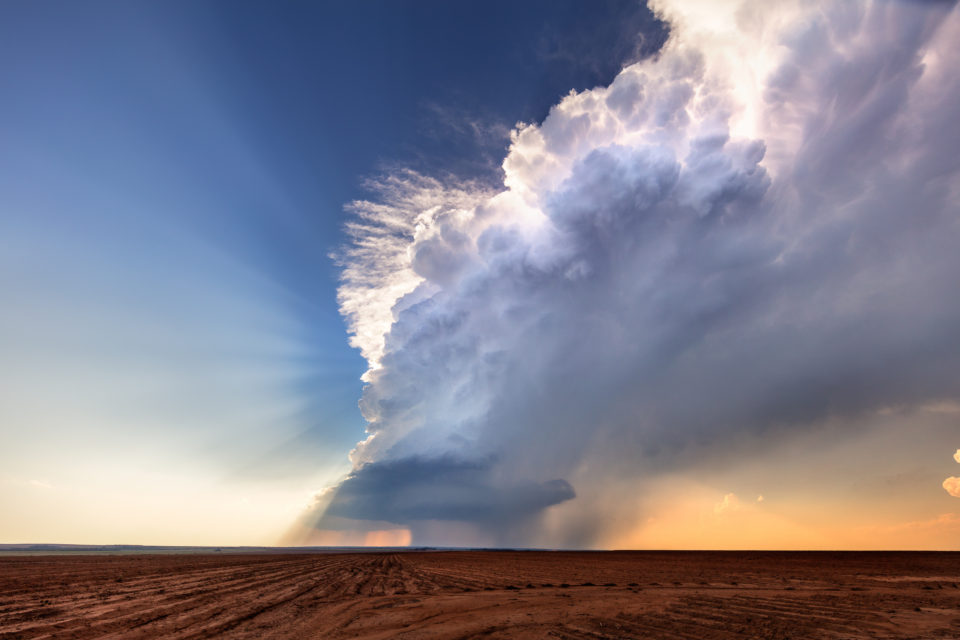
(444, 488)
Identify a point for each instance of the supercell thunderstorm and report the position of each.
(754, 230)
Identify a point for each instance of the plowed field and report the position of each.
(533, 594)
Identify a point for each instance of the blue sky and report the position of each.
(172, 182)
(604, 288)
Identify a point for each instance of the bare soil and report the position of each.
(483, 594)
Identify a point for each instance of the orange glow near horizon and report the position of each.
(400, 537)
(388, 538)
(713, 522)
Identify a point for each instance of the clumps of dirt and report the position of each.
(462, 594)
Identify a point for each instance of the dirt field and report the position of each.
(483, 594)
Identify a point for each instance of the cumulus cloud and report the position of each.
(952, 485)
(755, 229)
(729, 503)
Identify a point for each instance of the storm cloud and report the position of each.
(411, 489)
(753, 231)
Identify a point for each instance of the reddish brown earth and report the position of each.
(532, 594)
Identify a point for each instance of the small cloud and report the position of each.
(949, 407)
(956, 456)
(730, 502)
(952, 485)
(40, 484)
(760, 498)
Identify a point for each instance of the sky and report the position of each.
(541, 274)
(173, 180)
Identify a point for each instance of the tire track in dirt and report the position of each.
(713, 596)
(180, 601)
(105, 602)
(219, 610)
